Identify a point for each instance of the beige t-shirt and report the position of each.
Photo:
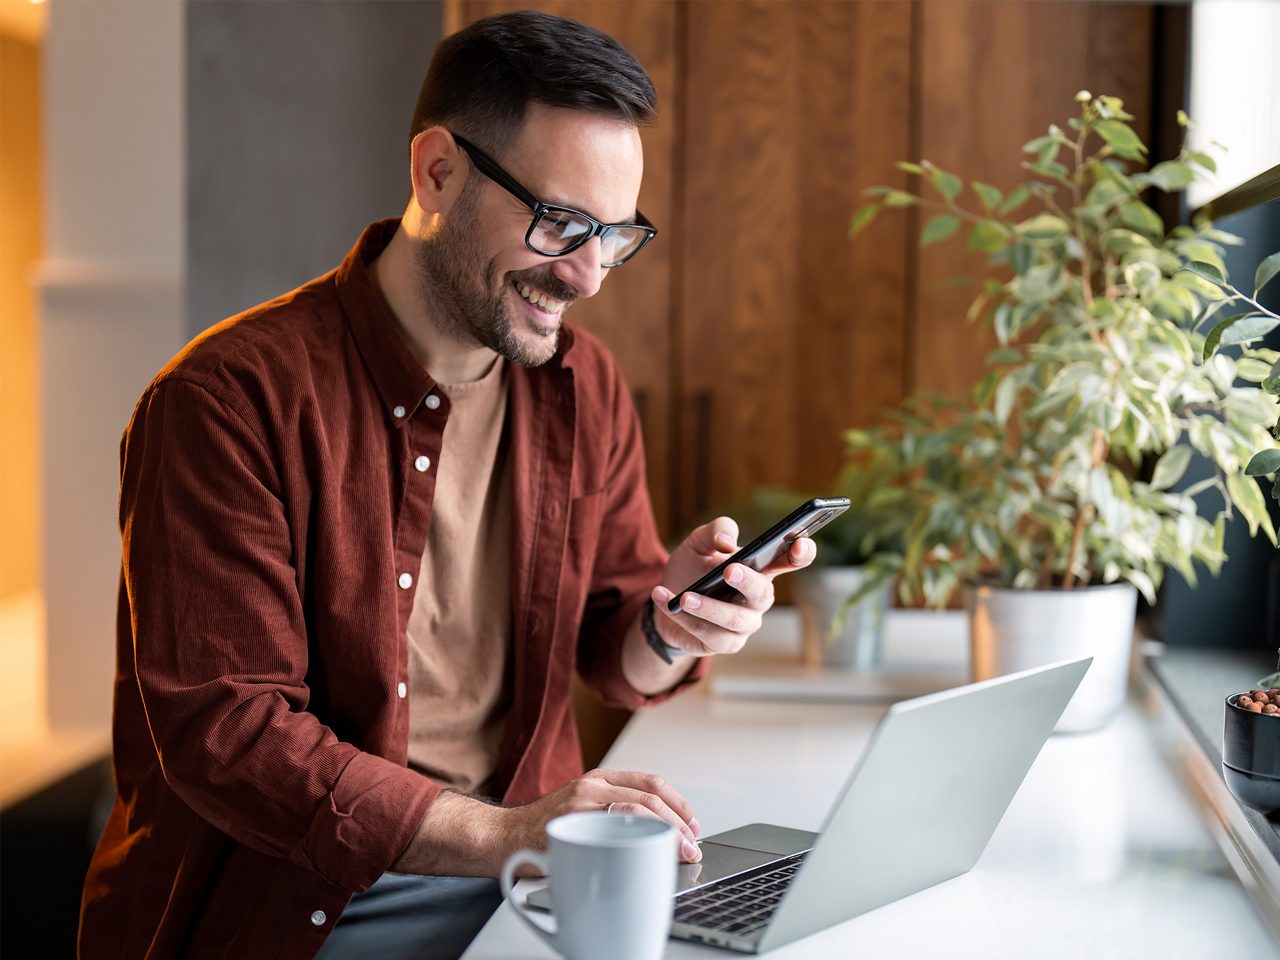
(460, 678)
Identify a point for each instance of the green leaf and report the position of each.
(1206, 270)
(1104, 193)
(989, 195)
(1263, 463)
(1214, 338)
(1246, 328)
(1252, 369)
(1000, 320)
(1267, 270)
(1006, 393)
(1170, 467)
(900, 198)
(1016, 198)
(863, 218)
(1272, 383)
(1204, 160)
(1121, 138)
(1021, 256)
(1045, 226)
(1170, 176)
(1143, 583)
(985, 541)
(1247, 496)
(948, 184)
(986, 237)
(909, 167)
(1140, 217)
(938, 228)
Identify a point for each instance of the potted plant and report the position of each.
(1035, 495)
(836, 633)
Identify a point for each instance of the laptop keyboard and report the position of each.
(741, 904)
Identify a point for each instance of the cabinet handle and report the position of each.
(702, 452)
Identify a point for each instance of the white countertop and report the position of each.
(1102, 853)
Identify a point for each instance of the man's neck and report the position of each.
(441, 355)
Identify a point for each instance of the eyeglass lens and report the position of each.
(557, 231)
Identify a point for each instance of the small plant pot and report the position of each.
(1012, 630)
(1251, 757)
(820, 593)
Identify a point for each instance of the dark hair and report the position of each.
(483, 78)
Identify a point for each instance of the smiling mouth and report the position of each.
(546, 309)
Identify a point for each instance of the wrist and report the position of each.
(653, 635)
(459, 836)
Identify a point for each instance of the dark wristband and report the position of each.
(653, 638)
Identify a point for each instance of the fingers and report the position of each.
(802, 553)
(647, 794)
(716, 536)
(706, 626)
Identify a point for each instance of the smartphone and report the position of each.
(804, 521)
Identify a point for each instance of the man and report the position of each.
(372, 527)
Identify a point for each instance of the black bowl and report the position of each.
(1251, 757)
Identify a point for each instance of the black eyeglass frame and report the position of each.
(489, 167)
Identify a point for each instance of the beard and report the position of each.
(464, 294)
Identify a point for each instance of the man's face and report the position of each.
(478, 277)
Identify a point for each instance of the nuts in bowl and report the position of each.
(1260, 701)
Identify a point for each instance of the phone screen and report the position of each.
(806, 520)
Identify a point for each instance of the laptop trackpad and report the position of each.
(723, 855)
(734, 851)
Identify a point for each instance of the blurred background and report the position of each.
(166, 164)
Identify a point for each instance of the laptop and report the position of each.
(919, 808)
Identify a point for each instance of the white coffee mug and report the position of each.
(613, 883)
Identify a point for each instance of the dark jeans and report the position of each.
(413, 918)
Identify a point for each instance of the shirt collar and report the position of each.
(400, 379)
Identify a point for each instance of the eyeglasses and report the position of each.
(555, 230)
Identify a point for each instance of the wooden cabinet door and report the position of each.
(786, 331)
(991, 76)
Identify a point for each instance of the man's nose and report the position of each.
(581, 269)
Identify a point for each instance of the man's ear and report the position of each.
(437, 169)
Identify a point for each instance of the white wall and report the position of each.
(1235, 91)
(111, 305)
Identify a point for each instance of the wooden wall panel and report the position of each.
(787, 331)
(754, 330)
(632, 312)
(990, 76)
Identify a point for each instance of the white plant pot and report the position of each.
(1012, 630)
(820, 593)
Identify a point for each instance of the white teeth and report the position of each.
(540, 299)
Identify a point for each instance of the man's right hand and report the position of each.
(462, 836)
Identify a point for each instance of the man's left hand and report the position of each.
(706, 626)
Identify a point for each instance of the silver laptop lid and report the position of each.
(925, 797)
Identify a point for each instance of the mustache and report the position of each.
(548, 283)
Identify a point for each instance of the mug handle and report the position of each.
(507, 881)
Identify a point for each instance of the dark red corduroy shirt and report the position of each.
(273, 519)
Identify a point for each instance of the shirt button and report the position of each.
(421, 464)
(432, 402)
(318, 918)
(402, 690)
(405, 581)
(397, 411)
